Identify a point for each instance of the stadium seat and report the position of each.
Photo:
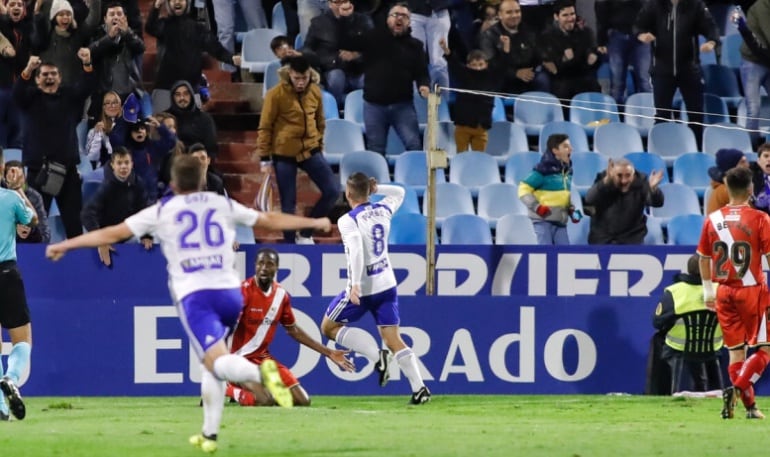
(706, 58)
(394, 147)
(473, 169)
(722, 81)
(498, 199)
(575, 132)
(506, 138)
(56, 225)
(465, 229)
(94, 175)
(585, 167)
(678, 199)
(331, 111)
(588, 109)
(451, 198)
(279, 19)
(670, 140)
(535, 109)
(714, 109)
(408, 228)
(498, 111)
(410, 203)
(411, 169)
(354, 107)
(763, 116)
(691, 169)
(515, 229)
(421, 107)
(639, 112)
(244, 235)
(370, 163)
(341, 136)
(716, 137)
(731, 50)
(578, 233)
(299, 41)
(685, 229)
(11, 154)
(271, 76)
(646, 162)
(519, 166)
(256, 53)
(445, 138)
(654, 232)
(616, 139)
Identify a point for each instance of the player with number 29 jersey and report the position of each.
(196, 233)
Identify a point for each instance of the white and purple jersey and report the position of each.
(196, 233)
(364, 232)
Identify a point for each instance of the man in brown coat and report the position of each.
(291, 131)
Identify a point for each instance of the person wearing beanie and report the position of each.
(726, 159)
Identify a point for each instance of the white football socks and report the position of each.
(358, 340)
(213, 396)
(407, 361)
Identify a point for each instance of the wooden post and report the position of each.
(435, 158)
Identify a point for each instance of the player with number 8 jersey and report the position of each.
(733, 240)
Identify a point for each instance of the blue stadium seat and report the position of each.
(506, 138)
(408, 228)
(585, 167)
(354, 107)
(411, 169)
(578, 233)
(654, 232)
(519, 166)
(678, 199)
(498, 111)
(451, 199)
(299, 41)
(691, 169)
(706, 58)
(473, 169)
(445, 138)
(465, 229)
(421, 107)
(279, 19)
(588, 109)
(271, 78)
(716, 137)
(763, 116)
(94, 175)
(646, 162)
(370, 163)
(714, 109)
(731, 50)
(498, 199)
(535, 109)
(410, 203)
(722, 81)
(256, 52)
(340, 137)
(331, 111)
(639, 112)
(394, 147)
(244, 235)
(57, 228)
(616, 139)
(685, 229)
(515, 229)
(670, 140)
(11, 154)
(576, 133)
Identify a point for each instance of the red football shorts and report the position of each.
(742, 313)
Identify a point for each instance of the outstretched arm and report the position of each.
(335, 355)
(107, 235)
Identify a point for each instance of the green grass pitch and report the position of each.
(450, 425)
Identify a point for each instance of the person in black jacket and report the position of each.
(673, 26)
(212, 182)
(16, 25)
(342, 70)
(616, 203)
(120, 195)
(393, 63)
(192, 124)
(182, 40)
(473, 113)
(52, 111)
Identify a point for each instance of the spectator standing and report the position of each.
(726, 159)
(431, 24)
(291, 132)
(514, 46)
(15, 180)
(546, 192)
(16, 26)
(673, 27)
(121, 194)
(393, 62)
(54, 110)
(760, 171)
(224, 15)
(614, 32)
(570, 54)
(342, 70)
(617, 202)
(755, 70)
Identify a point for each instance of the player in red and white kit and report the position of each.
(265, 304)
(732, 243)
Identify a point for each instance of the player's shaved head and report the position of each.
(358, 186)
(738, 182)
(267, 252)
(187, 174)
